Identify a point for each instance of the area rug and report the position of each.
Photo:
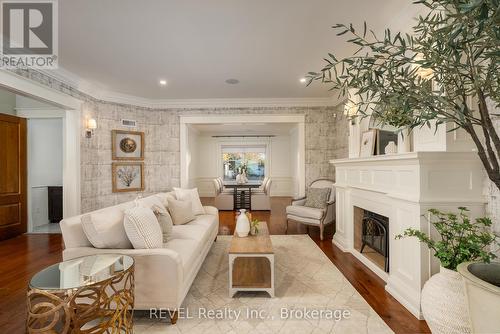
(312, 296)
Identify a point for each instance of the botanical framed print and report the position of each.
(368, 143)
(128, 176)
(127, 145)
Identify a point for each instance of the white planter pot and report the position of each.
(242, 224)
(483, 297)
(443, 303)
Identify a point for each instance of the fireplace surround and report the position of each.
(403, 187)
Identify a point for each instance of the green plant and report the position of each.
(254, 226)
(461, 240)
(445, 71)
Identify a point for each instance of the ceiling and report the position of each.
(127, 46)
(241, 129)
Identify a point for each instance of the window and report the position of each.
(251, 158)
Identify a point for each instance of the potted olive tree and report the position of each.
(460, 240)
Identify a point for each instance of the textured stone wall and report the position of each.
(325, 131)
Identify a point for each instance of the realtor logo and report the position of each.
(29, 34)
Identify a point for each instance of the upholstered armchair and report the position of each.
(313, 216)
(223, 197)
(261, 199)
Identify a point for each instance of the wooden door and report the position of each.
(13, 176)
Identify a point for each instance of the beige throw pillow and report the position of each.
(164, 220)
(142, 228)
(180, 211)
(193, 196)
(105, 229)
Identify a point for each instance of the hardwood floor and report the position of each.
(25, 255)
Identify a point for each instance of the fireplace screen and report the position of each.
(375, 235)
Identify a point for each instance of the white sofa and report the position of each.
(162, 276)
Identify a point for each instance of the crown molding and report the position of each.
(99, 92)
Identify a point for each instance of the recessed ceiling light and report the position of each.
(232, 81)
(303, 80)
(163, 82)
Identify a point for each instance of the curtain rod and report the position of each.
(246, 136)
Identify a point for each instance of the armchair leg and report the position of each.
(286, 227)
(321, 229)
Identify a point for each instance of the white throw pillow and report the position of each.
(180, 211)
(164, 197)
(155, 203)
(164, 220)
(105, 229)
(142, 228)
(193, 196)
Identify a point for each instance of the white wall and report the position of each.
(208, 161)
(7, 102)
(294, 161)
(45, 161)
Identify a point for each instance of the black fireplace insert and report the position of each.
(375, 234)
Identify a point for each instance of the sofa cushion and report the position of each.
(199, 233)
(204, 220)
(104, 229)
(180, 211)
(190, 195)
(142, 228)
(188, 250)
(304, 211)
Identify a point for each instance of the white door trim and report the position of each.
(71, 132)
(185, 121)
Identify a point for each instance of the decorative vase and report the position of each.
(404, 141)
(239, 179)
(391, 148)
(444, 305)
(242, 224)
(482, 289)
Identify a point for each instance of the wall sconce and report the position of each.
(350, 111)
(91, 126)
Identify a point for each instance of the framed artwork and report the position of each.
(383, 138)
(127, 176)
(127, 145)
(368, 143)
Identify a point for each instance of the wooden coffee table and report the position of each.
(251, 263)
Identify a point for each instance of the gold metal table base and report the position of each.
(104, 307)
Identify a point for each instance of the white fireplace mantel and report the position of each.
(403, 187)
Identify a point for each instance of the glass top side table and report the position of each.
(87, 294)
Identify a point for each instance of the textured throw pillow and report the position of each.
(317, 198)
(164, 220)
(180, 211)
(190, 195)
(105, 229)
(142, 228)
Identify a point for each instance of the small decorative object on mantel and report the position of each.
(128, 176)
(443, 298)
(391, 148)
(368, 143)
(242, 224)
(127, 145)
(404, 141)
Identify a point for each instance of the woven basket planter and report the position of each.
(444, 304)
